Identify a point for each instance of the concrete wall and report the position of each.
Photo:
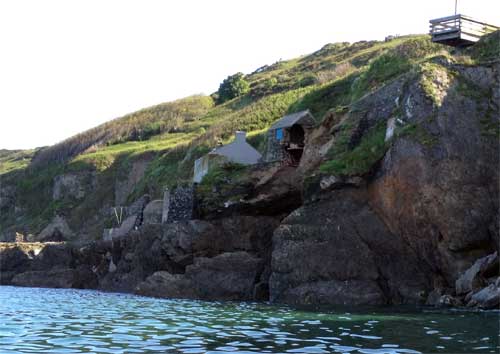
(201, 167)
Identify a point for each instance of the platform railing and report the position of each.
(460, 24)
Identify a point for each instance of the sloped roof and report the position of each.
(302, 117)
(238, 151)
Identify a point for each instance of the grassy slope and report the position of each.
(176, 133)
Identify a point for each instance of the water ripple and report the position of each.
(77, 321)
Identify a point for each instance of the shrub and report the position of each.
(233, 86)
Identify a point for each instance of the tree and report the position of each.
(233, 86)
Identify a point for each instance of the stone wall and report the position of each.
(178, 204)
(274, 150)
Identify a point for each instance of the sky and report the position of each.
(69, 65)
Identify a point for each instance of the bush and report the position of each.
(233, 86)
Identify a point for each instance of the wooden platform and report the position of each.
(459, 30)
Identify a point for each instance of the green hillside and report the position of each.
(172, 135)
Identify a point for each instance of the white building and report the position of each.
(239, 151)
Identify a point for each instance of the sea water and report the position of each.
(34, 320)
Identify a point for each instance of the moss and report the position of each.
(487, 49)
(418, 134)
(360, 159)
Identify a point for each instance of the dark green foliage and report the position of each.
(233, 86)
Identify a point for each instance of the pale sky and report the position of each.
(69, 65)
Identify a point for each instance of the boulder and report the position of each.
(56, 278)
(448, 301)
(79, 278)
(152, 213)
(126, 226)
(475, 277)
(165, 284)
(13, 260)
(58, 230)
(337, 251)
(487, 298)
(53, 256)
(229, 276)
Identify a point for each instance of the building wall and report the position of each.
(201, 166)
(274, 150)
(239, 152)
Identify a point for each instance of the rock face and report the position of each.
(57, 278)
(73, 185)
(153, 212)
(123, 187)
(58, 230)
(417, 222)
(223, 259)
(350, 257)
(229, 276)
(420, 216)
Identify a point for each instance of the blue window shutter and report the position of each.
(279, 133)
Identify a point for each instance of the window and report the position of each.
(279, 134)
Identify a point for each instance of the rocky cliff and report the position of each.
(395, 200)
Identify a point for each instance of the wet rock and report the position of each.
(333, 259)
(448, 301)
(56, 278)
(474, 278)
(53, 256)
(336, 292)
(229, 276)
(165, 284)
(487, 298)
(13, 260)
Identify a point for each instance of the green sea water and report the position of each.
(81, 321)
